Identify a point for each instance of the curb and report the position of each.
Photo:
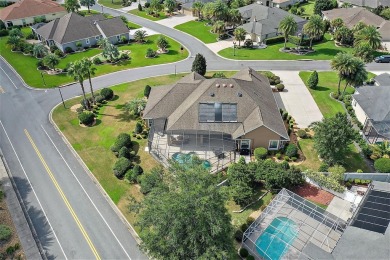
(14, 192)
(93, 178)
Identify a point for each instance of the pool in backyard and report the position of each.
(184, 158)
(276, 238)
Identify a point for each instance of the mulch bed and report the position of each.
(314, 194)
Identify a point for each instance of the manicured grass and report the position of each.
(112, 3)
(324, 50)
(143, 14)
(353, 160)
(240, 218)
(86, 13)
(199, 30)
(26, 65)
(328, 82)
(309, 8)
(320, 205)
(133, 26)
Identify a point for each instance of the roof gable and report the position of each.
(30, 8)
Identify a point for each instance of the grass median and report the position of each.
(199, 30)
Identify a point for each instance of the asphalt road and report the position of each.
(72, 217)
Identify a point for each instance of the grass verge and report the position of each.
(143, 14)
(26, 65)
(199, 30)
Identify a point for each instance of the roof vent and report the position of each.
(224, 85)
(239, 94)
(231, 85)
(212, 94)
(217, 85)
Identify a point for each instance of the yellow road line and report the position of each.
(2, 90)
(94, 251)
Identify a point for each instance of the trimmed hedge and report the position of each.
(280, 87)
(107, 93)
(86, 118)
(276, 39)
(121, 166)
(260, 153)
(382, 165)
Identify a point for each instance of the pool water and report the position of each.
(276, 238)
(183, 158)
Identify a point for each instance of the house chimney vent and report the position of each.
(224, 85)
(231, 85)
(217, 85)
(239, 94)
(212, 94)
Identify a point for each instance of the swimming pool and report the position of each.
(276, 238)
(183, 158)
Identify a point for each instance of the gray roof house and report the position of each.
(262, 22)
(214, 116)
(366, 3)
(371, 105)
(72, 28)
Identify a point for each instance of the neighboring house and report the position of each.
(214, 118)
(284, 3)
(352, 16)
(186, 5)
(367, 3)
(262, 22)
(372, 109)
(72, 28)
(26, 12)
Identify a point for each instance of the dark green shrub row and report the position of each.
(276, 39)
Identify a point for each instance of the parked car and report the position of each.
(383, 59)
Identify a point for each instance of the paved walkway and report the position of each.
(297, 99)
(220, 45)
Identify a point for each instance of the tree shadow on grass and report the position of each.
(321, 88)
(323, 51)
(125, 116)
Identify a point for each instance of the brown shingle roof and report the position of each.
(351, 16)
(256, 105)
(30, 8)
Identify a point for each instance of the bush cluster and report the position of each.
(123, 140)
(121, 166)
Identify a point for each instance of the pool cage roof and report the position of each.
(313, 227)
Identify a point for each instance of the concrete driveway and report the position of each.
(297, 99)
(176, 19)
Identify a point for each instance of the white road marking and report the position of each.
(74, 175)
(9, 78)
(32, 188)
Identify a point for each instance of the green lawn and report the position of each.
(26, 65)
(240, 218)
(133, 26)
(327, 83)
(324, 50)
(112, 3)
(143, 14)
(353, 160)
(199, 30)
(309, 8)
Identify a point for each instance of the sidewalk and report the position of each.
(297, 99)
(25, 235)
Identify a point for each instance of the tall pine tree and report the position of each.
(199, 65)
(312, 82)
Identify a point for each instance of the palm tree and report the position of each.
(13, 41)
(89, 71)
(219, 11)
(358, 74)
(103, 42)
(39, 50)
(233, 17)
(369, 35)
(288, 26)
(364, 52)
(197, 8)
(76, 71)
(140, 35)
(343, 64)
(219, 28)
(207, 10)
(170, 6)
(155, 6)
(360, 25)
(239, 35)
(336, 24)
(51, 60)
(314, 28)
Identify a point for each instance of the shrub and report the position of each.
(86, 118)
(278, 156)
(107, 93)
(312, 81)
(69, 50)
(124, 56)
(280, 87)
(323, 167)
(138, 169)
(199, 65)
(291, 150)
(97, 61)
(99, 99)
(30, 36)
(294, 159)
(301, 133)
(359, 171)
(250, 257)
(123, 140)
(138, 128)
(382, 165)
(124, 152)
(244, 227)
(147, 90)
(150, 53)
(248, 43)
(219, 75)
(79, 110)
(121, 166)
(5, 232)
(249, 221)
(243, 252)
(238, 235)
(289, 118)
(40, 64)
(260, 153)
(284, 116)
(147, 5)
(276, 39)
(286, 158)
(4, 32)
(139, 7)
(285, 165)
